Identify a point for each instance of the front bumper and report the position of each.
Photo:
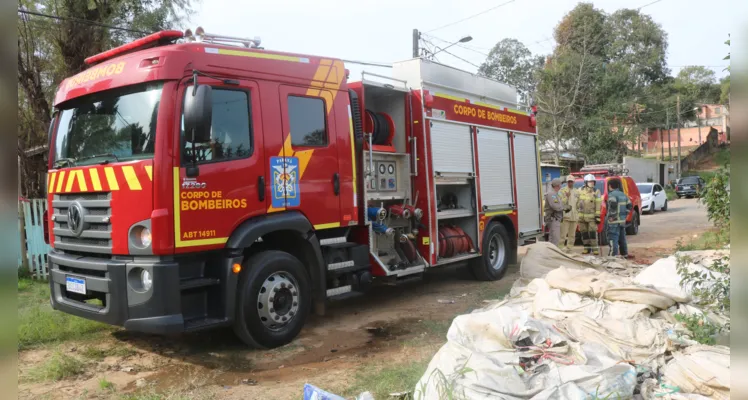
(646, 204)
(113, 282)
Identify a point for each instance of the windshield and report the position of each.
(644, 188)
(599, 185)
(113, 125)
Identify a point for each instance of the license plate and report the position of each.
(75, 285)
(686, 187)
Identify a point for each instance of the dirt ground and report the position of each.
(390, 326)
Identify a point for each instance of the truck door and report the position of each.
(312, 175)
(208, 207)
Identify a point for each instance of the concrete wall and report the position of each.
(645, 170)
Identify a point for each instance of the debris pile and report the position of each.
(582, 327)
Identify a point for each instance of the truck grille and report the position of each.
(94, 234)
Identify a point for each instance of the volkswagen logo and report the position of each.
(75, 218)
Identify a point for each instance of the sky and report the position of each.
(382, 31)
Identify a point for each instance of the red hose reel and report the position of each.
(453, 241)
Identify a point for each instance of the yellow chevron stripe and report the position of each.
(111, 179)
(131, 177)
(51, 181)
(149, 171)
(81, 180)
(60, 180)
(95, 179)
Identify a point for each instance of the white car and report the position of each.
(653, 197)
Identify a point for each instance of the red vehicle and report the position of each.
(194, 184)
(603, 177)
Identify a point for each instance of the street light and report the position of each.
(463, 40)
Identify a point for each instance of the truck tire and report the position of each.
(633, 229)
(492, 265)
(273, 299)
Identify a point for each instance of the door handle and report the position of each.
(336, 183)
(261, 188)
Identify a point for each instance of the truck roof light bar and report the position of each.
(149, 41)
(201, 36)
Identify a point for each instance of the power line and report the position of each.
(472, 16)
(649, 4)
(81, 21)
(460, 58)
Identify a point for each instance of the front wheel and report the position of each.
(492, 265)
(273, 299)
(633, 229)
(651, 208)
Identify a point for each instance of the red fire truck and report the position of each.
(198, 181)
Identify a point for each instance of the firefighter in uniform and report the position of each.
(569, 197)
(589, 214)
(554, 209)
(618, 208)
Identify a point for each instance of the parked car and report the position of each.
(633, 220)
(653, 197)
(689, 186)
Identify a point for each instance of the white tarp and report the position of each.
(575, 329)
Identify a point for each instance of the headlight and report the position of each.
(146, 280)
(145, 237)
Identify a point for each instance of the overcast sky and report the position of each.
(381, 31)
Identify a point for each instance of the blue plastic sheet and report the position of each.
(314, 393)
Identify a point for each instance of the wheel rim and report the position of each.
(496, 252)
(278, 300)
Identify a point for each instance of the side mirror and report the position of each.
(656, 193)
(198, 113)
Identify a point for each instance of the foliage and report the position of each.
(711, 287)
(716, 196)
(701, 330)
(511, 62)
(671, 195)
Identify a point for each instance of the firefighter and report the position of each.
(554, 209)
(589, 214)
(569, 197)
(619, 207)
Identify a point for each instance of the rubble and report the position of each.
(582, 327)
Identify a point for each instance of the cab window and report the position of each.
(231, 131)
(306, 117)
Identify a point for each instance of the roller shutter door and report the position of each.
(528, 189)
(451, 147)
(495, 166)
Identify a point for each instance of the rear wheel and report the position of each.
(664, 207)
(274, 299)
(492, 265)
(633, 229)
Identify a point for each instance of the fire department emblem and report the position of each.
(285, 181)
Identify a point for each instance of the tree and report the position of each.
(51, 49)
(511, 62)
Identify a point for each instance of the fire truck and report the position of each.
(199, 181)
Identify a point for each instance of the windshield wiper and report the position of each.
(70, 162)
(100, 155)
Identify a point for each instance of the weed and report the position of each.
(444, 385)
(706, 241)
(106, 385)
(701, 330)
(671, 195)
(711, 290)
(58, 367)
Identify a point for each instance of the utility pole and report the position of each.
(416, 39)
(669, 146)
(677, 109)
(662, 147)
(698, 121)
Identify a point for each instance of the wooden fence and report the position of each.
(33, 247)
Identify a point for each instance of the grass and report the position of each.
(383, 381)
(59, 366)
(105, 385)
(709, 240)
(39, 324)
(493, 291)
(722, 157)
(98, 354)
